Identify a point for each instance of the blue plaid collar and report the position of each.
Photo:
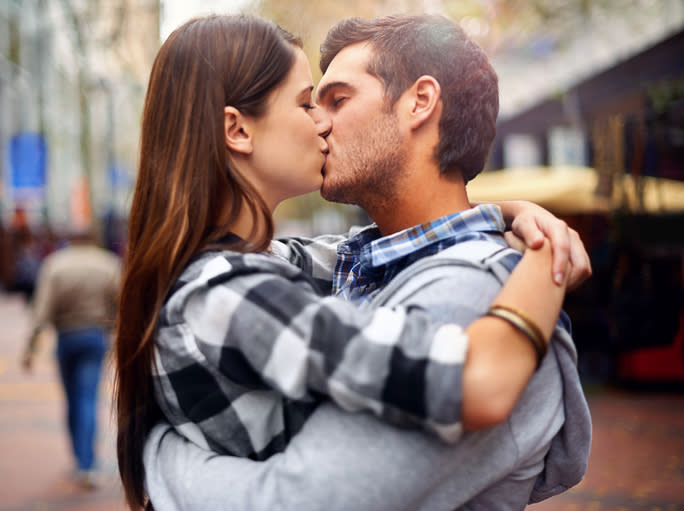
(376, 251)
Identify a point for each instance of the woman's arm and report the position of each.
(257, 323)
(397, 363)
(529, 224)
(501, 359)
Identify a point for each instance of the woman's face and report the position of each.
(288, 151)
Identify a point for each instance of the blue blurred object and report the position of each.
(27, 162)
(118, 176)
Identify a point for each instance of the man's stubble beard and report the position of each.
(370, 169)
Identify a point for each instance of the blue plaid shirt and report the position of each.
(367, 262)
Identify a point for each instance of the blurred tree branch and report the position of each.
(86, 21)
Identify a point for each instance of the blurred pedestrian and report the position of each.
(23, 255)
(26, 263)
(6, 262)
(76, 293)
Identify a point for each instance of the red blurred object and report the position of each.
(655, 364)
(19, 219)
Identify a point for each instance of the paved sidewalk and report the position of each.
(637, 460)
(637, 455)
(35, 457)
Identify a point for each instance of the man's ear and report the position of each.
(237, 130)
(425, 94)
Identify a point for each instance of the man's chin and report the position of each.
(324, 191)
(327, 190)
(334, 194)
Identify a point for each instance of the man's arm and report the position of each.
(339, 461)
(42, 309)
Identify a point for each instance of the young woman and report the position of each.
(231, 344)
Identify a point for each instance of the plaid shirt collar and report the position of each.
(367, 261)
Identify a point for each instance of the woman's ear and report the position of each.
(425, 94)
(237, 130)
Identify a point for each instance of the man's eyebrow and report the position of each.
(321, 93)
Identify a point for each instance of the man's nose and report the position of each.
(323, 122)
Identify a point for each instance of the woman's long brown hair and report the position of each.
(186, 183)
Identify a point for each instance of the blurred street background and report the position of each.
(591, 127)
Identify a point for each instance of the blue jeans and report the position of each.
(80, 354)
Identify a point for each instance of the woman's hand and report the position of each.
(531, 223)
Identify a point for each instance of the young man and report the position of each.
(395, 102)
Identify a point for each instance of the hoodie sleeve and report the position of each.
(566, 461)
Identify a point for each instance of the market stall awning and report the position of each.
(567, 190)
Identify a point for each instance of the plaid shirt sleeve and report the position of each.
(316, 257)
(255, 323)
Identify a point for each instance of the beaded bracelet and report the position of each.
(523, 324)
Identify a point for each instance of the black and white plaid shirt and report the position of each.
(247, 346)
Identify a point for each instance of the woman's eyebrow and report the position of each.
(306, 91)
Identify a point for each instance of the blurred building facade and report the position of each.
(602, 82)
(605, 108)
(72, 81)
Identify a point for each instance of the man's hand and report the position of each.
(532, 223)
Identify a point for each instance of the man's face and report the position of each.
(366, 157)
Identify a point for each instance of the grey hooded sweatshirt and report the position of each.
(352, 461)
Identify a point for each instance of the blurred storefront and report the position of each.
(634, 108)
(629, 317)
(594, 131)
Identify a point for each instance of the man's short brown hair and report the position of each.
(406, 47)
